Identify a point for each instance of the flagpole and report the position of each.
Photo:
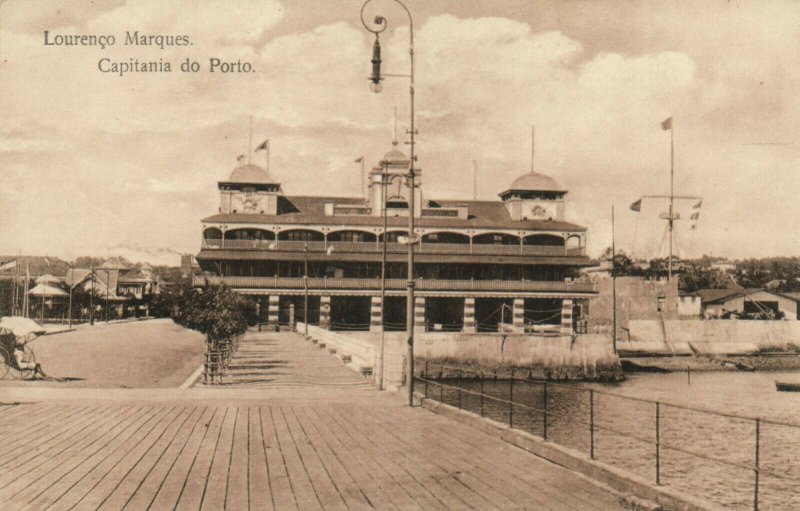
(14, 300)
(671, 191)
(533, 146)
(250, 140)
(613, 283)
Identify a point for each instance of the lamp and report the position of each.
(375, 79)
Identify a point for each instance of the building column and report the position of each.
(272, 309)
(566, 317)
(518, 315)
(419, 314)
(376, 315)
(469, 315)
(325, 312)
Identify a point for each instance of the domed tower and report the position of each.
(535, 196)
(395, 163)
(249, 190)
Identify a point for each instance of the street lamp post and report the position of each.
(91, 301)
(305, 289)
(375, 79)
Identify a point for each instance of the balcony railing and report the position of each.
(377, 246)
(421, 284)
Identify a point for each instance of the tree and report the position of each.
(623, 265)
(695, 276)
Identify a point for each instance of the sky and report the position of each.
(102, 164)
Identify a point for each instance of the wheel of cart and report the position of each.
(10, 368)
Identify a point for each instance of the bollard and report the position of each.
(756, 468)
(511, 400)
(481, 377)
(591, 424)
(658, 443)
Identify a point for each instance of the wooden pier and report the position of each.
(288, 443)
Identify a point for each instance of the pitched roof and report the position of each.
(715, 295)
(310, 210)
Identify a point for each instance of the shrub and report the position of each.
(217, 312)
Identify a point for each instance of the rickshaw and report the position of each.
(17, 331)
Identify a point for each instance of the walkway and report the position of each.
(232, 448)
(287, 360)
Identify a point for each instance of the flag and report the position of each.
(9, 265)
(666, 124)
(695, 215)
(698, 205)
(359, 159)
(637, 206)
(263, 146)
(240, 158)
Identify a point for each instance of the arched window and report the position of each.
(495, 238)
(212, 233)
(548, 240)
(301, 235)
(391, 237)
(351, 236)
(249, 234)
(445, 237)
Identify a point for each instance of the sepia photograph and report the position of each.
(399, 255)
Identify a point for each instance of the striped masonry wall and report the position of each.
(566, 317)
(325, 311)
(519, 315)
(419, 313)
(272, 311)
(376, 315)
(469, 315)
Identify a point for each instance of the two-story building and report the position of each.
(477, 263)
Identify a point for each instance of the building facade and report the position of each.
(480, 265)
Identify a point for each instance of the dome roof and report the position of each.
(533, 181)
(395, 156)
(250, 174)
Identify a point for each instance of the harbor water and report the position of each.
(710, 456)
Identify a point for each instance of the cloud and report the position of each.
(139, 156)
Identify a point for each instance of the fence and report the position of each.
(563, 412)
(218, 355)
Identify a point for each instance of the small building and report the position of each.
(749, 302)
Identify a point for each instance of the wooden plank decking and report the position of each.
(360, 449)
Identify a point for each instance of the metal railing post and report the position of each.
(426, 379)
(658, 443)
(481, 377)
(591, 424)
(441, 387)
(511, 400)
(544, 435)
(459, 389)
(757, 464)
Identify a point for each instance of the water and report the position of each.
(625, 430)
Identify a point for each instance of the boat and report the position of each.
(785, 386)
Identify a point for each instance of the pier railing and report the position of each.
(560, 412)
